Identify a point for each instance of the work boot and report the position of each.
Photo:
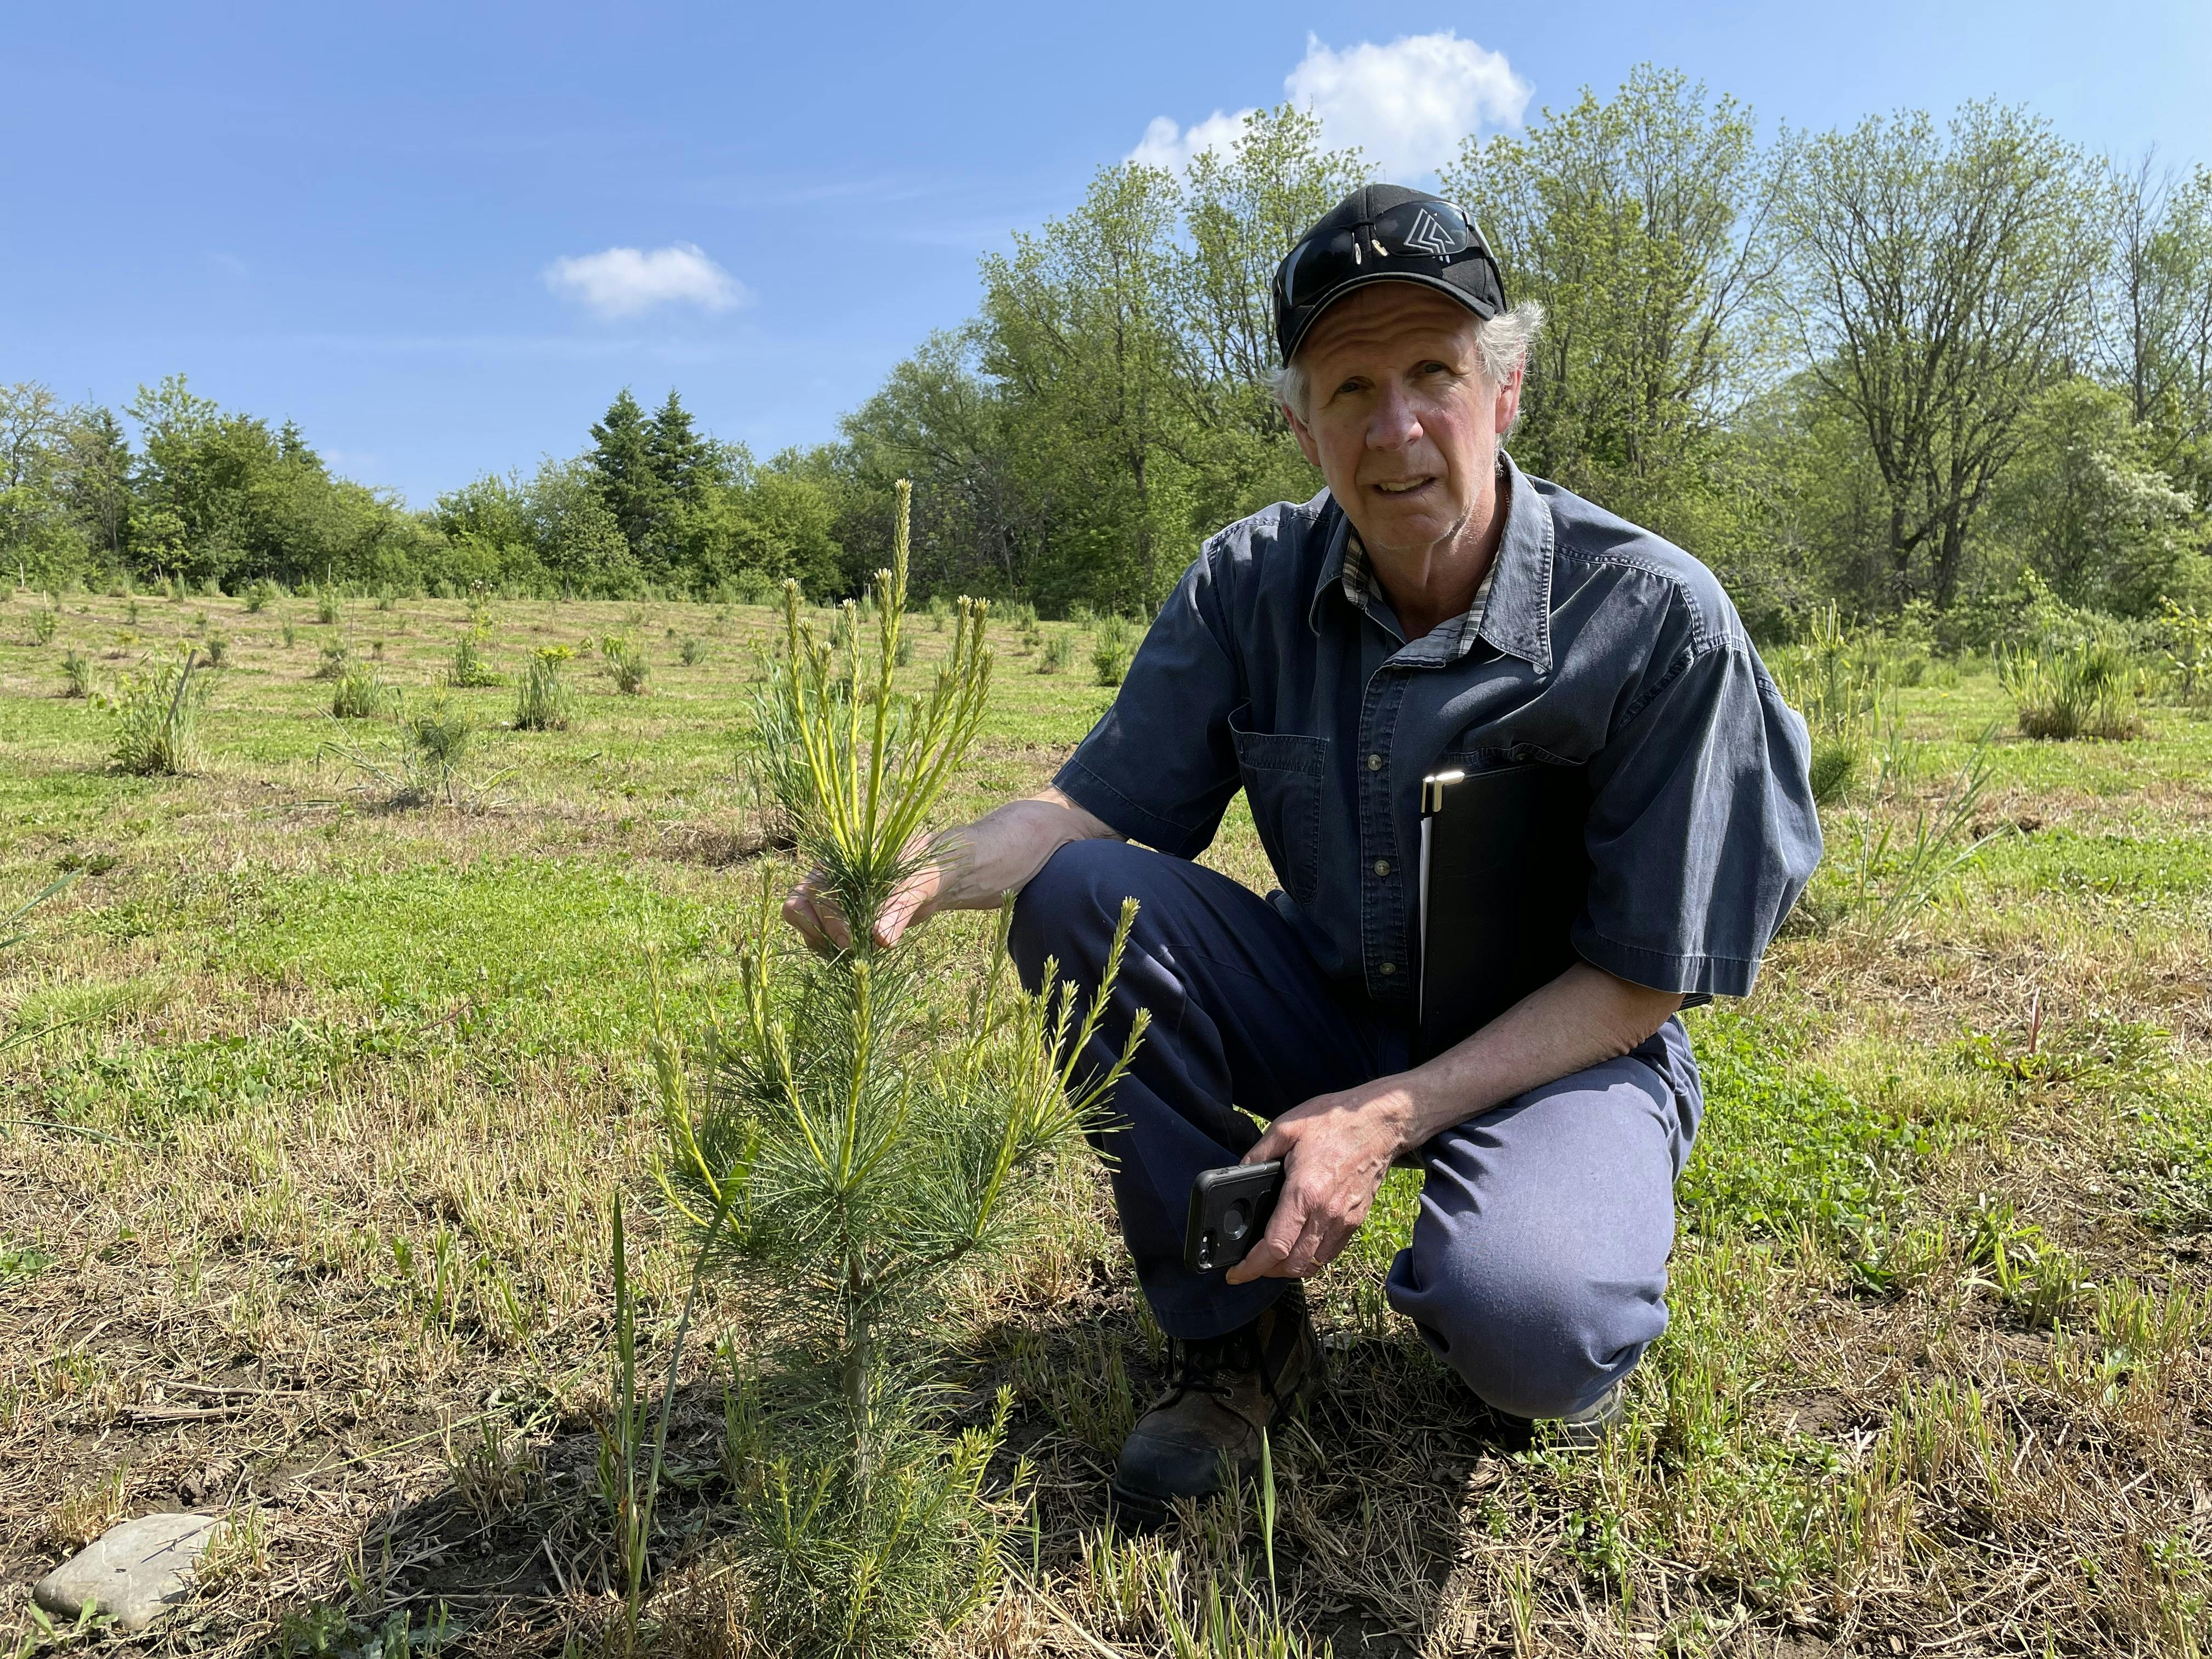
(1584, 1430)
(1204, 1433)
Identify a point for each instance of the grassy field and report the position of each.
(303, 1204)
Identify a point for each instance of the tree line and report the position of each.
(1907, 366)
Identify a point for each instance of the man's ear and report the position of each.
(1507, 409)
(1303, 433)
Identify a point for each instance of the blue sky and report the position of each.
(358, 217)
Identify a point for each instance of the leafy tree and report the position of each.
(36, 537)
(2157, 336)
(1079, 325)
(1937, 284)
(2100, 525)
(1642, 224)
(579, 541)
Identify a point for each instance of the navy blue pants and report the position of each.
(1538, 1266)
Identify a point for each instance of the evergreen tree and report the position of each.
(679, 457)
(622, 459)
(98, 487)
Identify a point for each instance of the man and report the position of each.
(1433, 607)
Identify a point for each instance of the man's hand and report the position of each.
(972, 868)
(824, 925)
(1335, 1150)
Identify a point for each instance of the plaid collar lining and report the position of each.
(1455, 639)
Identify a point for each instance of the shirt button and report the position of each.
(1381, 867)
(1375, 762)
(1388, 968)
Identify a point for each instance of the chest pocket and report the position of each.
(1283, 775)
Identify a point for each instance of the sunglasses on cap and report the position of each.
(1426, 240)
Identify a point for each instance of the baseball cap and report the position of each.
(1384, 234)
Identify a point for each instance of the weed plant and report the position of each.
(423, 764)
(2085, 689)
(157, 718)
(840, 1151)
(1892, 870)
(1829, 681)
(1111, 649)
(359, 695)
(467, 668)
(543, 701)
(626, 663)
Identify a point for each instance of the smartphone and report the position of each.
(1228, 1211)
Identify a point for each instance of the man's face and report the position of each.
(1398, 415)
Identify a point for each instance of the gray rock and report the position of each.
(135, 1574)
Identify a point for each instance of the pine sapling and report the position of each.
(839, 1142)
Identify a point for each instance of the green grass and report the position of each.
(340, 1089)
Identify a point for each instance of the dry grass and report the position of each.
(305, 1222)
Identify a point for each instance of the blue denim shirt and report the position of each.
(1600, 646)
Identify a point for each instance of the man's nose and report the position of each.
(1395, 423)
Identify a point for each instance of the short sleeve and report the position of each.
(1159, 767)
(1702, 828)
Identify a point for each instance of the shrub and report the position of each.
(387, 600)
(291, 636)
(626, 662)
(157, 719)
(43, 622)
(2184, 636)
(1059, 653)
(840, 1151)
(467, 667)
(1111, 649)
(326, 607)
(2085, 689)
(543, 701)
(76, 673)
(336, 659)
(692, 652)
(218, 650)
(939, 611)
(258, 597)
(359, 695)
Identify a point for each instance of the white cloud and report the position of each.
(623, 281)
(1166, 145)
(1407, 104)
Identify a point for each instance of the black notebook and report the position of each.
(1505, 873)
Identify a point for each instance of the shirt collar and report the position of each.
(1513, 608)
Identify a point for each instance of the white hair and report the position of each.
(1501, 344)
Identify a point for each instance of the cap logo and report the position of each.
(1427, 235)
